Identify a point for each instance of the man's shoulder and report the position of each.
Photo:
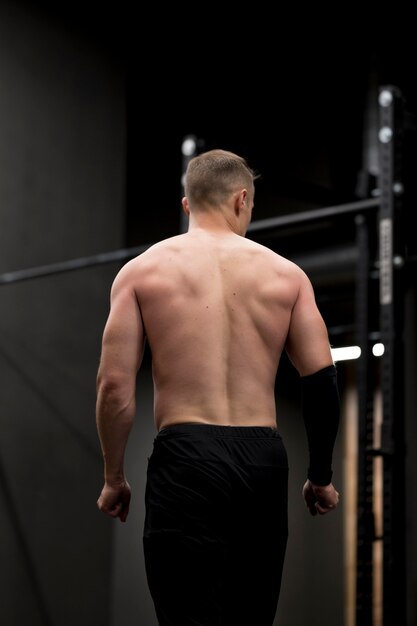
(151, 257)
(280, 261)
(155, 250)
(162, 246)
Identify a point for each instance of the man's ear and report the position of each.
(240, 201)
(185, 206)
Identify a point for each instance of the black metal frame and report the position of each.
(392, 252)
(365, 526)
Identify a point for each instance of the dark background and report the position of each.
(290, 92)
(95, 101)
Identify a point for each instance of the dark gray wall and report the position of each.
(131, 600)
(62, 195)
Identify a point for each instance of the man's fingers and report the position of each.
(319, 499)
(115, 501)
(112, 510)
(324, 509)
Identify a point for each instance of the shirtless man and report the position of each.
(217, 311)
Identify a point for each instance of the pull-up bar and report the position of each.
(313, 215)
(128, 253)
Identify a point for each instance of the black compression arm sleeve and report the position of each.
(321, 415)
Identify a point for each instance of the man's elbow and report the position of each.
(113, 385)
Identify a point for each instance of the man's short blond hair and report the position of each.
(212, 176)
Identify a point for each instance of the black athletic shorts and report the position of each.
(216, 527)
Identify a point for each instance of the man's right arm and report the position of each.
(309, 350)
(123, 345)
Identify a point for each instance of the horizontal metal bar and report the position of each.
(332, 260)
(313, 214)
(128, 253)
(73, 264)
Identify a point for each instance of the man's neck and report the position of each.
(214, 222)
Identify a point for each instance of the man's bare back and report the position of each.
(216, 312)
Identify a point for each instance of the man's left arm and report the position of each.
(121, 356)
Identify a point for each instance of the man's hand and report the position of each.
(114, 500)
(320, 499)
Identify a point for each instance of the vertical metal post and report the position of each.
(365, 377)
(391, 299)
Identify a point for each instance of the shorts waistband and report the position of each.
(218, 430)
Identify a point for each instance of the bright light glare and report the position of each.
(378, 349)
(188, 146)
(346, 354)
